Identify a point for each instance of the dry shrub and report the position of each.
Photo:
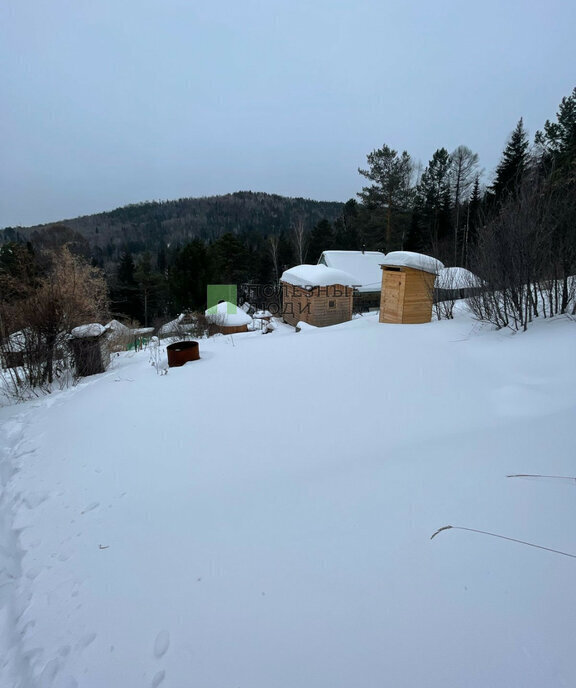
(69, 293)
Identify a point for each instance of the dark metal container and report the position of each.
(182, 352)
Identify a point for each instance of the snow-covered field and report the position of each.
(261, 518)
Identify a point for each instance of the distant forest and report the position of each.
(158, 257)
(158, 226)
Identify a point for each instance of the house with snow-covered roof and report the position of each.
(317, 295)
(365, 267)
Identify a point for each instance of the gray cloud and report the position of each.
(107, 103)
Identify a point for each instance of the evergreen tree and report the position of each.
(126, 269)
(345, 228)
(558, 162)
(513, 165)
(415, 240)
(321, 239)
(472, 222)
(286, 257)
(231, 260)
(188, 277)
(558, 139)
(150, 289)
(391, 191)
(124, 298)
(161, 259)
(433, 203)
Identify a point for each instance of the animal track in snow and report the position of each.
(161, 644)
(91, 507)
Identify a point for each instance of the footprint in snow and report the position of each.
(85, 640)
(70, 682)
(34, 572)
(158, 678)
(161, 644)
(91, 507)
(49, 671)
(34, 499)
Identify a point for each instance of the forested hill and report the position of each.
(145, 226)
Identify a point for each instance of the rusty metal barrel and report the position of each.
(182, 352)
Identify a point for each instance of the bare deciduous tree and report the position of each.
(299, 240)
(273, 249)
(525, 255)
(464, 170)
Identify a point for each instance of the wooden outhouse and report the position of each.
(408, 287)
(317, 295)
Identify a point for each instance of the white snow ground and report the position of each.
(261, 518)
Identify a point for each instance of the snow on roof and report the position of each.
(364, 265)
(409, 259)
(457, 278)
(91, 330)
(178, 325)
(310, 276)
(228, 314)
(140, 331)
(169, 327)
(174, 327)
(117, 327)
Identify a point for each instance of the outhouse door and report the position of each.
(392, 305)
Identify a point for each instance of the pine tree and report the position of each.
(391, 190)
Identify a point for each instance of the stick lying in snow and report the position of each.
(503, 537)
(537, 475)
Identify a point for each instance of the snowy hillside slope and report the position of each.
(261, 518)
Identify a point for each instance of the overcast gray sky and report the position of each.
(109, 102)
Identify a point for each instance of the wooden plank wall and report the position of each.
(322, 314)
(312, 306)
(407, 296)
(392, 296)
(232, 329)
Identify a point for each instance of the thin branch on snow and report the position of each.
(502, 537)
(537, 475)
